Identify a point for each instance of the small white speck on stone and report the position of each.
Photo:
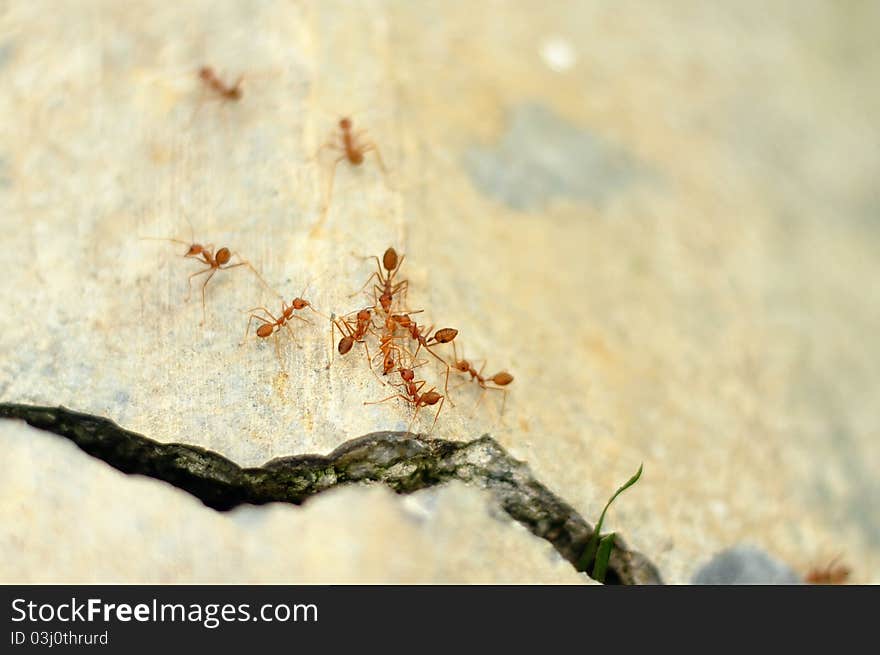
(558, 53)
(719, 509)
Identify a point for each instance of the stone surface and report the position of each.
(745, 565)
(77, 520)
(704, 302)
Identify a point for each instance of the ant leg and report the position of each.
(205, 284)
(332, 339)
(442, 361)
(482, 382)
(327, 198)
(326, 144)
(189, 282)
(253, 270)
(370, 363)
(413, 419)
(488, 388)
(368, 146)
(460, 385)
(292, 335)
(385, 400)
(374, 274)
(437, 415)
(278, 351)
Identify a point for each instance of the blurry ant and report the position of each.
(209, 77)
(386, 287)
(216, 262)
(832, 574)
(351, 148)
(501, 379)
(414, 396)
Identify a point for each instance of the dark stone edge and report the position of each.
(403, 461)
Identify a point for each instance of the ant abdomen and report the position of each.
(345, 344)
(223, 256)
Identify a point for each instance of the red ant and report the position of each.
(268, 328)
(387, 347)
(352, 334)
(216, 262)
(209, 77)
(426, 340)
(351, 149)
(501, 379)
(414, 397)
(386, 287)
(831, 574)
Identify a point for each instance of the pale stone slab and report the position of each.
(67, 517)
(704, 302)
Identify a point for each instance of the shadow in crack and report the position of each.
(403, 461)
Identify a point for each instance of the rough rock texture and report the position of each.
(682, 275)
(402, 461)
(106, 526)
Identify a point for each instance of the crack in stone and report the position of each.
(403, 461)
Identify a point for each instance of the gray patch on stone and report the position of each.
(6, 50)
(745, 565)
(5, 178)
(542, 156)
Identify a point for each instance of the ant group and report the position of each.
(387, 322)
(395, 329)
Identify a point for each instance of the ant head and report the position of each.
(502, 379)
(389, 259)
(364, 315)
(206, 73)
(407, 374)
(345, 123)
(445, 335)
(194, 250)
(223, 256)
(264, 330)
(431, 398)
(299, 303)
(385, 301)
(462, 365)
(345, 344)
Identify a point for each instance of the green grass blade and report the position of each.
(601, 565)
(626, 486)
(596, 542)
(589, 552)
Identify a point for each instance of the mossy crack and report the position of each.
(403, 461)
